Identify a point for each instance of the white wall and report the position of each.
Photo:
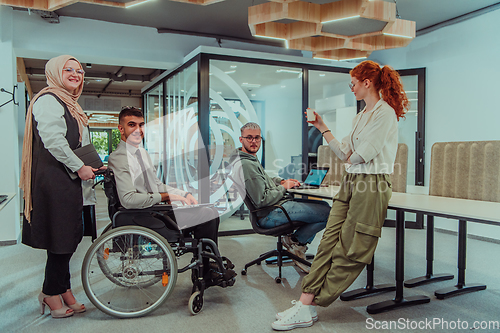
(462, 62)
(9, 163)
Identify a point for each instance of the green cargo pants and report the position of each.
(350, 237)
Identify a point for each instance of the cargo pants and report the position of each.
(351, 235)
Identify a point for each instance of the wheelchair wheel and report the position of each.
(142, 243)
(195, 303)
(125, 278)
(108, 227)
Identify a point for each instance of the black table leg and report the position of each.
(429, 276)
(460, 288)
(370, 289)
(399, 301)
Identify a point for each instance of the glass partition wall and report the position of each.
(194, 115)
(171, 132)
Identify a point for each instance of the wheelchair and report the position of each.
(129, 271)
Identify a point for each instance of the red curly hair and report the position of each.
(387, 82)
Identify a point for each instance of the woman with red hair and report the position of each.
(359, 209)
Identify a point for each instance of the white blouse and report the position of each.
(374, 137)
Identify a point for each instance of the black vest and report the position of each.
(56, 218)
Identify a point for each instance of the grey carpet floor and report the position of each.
(250, 305)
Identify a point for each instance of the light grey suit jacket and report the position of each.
(133, 193)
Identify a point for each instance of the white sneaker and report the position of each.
(297, 316)
(314, 314)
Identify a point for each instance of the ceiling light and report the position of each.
(253, 95)
(233, 66)
(250, 85)
(269, 37)
(324, 58)
(352, 59)
(283, 86)
(135, 3)
(322, 74)
(230, 72)
(97, 80)
(284, 70)
(341, 19)
(395, 35)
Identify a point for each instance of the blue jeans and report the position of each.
(314, 212)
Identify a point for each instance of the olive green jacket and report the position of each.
(264, 191)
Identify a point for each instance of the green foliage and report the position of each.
(100, 140)
(115, 139)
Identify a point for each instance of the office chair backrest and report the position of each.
(466, 170)
(399, 176)
(327, 158)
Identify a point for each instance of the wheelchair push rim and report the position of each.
(129, 272)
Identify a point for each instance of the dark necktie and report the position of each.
(143, 169)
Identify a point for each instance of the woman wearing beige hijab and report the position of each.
(56, 183)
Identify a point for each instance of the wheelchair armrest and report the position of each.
(157, 210)
(162, 207)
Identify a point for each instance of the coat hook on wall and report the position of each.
(13, 98)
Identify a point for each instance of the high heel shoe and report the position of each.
(58, 313)
(77, 306)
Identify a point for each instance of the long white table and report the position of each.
(460, 209)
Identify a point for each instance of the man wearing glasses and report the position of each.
(266, 191)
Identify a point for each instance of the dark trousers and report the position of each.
(57, 274)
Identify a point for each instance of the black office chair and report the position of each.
(278, 231)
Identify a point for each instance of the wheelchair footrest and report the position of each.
(223, 279)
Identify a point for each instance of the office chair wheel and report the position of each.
(243, 272)
(125, 278)
(277, 279)
(195, 303)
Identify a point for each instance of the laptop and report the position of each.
(314, 178)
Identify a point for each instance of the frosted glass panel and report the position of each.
(244, 92)
(172, 136)
(153, 136)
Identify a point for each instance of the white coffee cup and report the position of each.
(310, 114)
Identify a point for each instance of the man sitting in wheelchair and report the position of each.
(138, 188)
